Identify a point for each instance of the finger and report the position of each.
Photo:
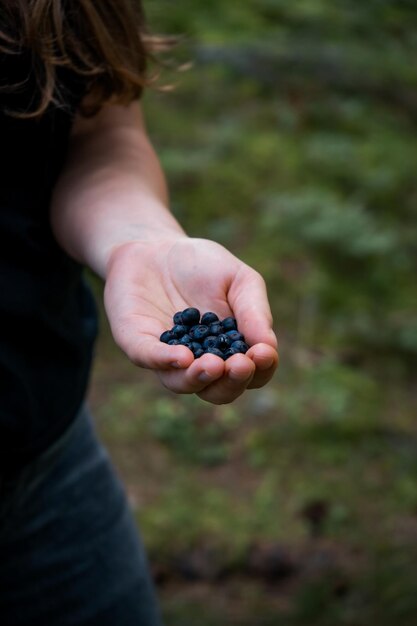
(151, 353)
(239, 372)
(266, 361)
(201, 373)
(249, 301)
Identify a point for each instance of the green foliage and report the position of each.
(292, 141)
(193, 431)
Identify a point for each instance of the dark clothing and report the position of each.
(48, 321)
(70, 554)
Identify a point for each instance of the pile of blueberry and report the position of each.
(205, 334)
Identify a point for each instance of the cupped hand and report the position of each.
(148, 281)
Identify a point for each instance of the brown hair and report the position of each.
(104, 41)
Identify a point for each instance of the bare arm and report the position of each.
(110, 212)
(112, 189)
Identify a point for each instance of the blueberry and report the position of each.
(178, 318)
(235, 335)
(166, 336)
(215, 351)
(190, 316)
(210, 335)
(240, 346)
(179, 330)
(229, 323)
(185, 340)
(216, 328)
(208, 318)
(195, 346)
(200, 332)
(223, 342)
(209, 342)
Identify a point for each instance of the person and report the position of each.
(81, 186)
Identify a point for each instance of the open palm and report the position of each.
(147, 282)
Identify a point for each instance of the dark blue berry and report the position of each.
(190, 316)
(216, 328)
(208, 318)
(235, 335)
(240, 346)
(178, 318)
(229, 323)
(223, 342)
(179, 330)
(195, 347)
(166, 336)
(208, 336)
(215, 351)
(200, 332)
(209, 342)
(185, 340)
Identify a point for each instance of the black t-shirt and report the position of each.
(48, 320)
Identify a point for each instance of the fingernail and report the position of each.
(205, 377)
(176, 364)
(238, 376)
(267, 363)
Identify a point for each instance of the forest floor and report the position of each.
(259, 520)
(291, 140)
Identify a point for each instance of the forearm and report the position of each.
(112, 189)
(110, 212)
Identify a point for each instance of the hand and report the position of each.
(148, 281)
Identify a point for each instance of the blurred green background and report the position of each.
(291, 140)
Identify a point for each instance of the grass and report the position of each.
(292, 142)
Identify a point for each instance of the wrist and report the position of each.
(142, 250)
(137, 222)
